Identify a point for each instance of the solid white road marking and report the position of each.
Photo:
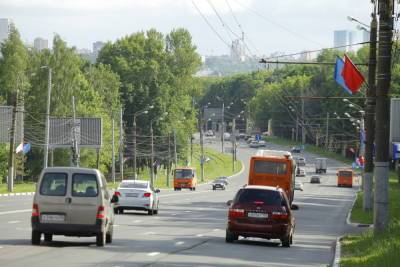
(152, 254)
(13, 222)
(179, 243)
(14, 211)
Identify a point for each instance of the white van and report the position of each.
(72, 201)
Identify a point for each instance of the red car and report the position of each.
(260, 211)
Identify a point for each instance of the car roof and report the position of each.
(71, 169)
(263, 187)
(184, 168)
(135, 181)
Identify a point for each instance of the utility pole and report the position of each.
(11, 154)
(223, 127)
(327, 131)
(121, 146)
(134, 147)
(113, 152)
(75, 148)
(152, 155)
(169, 159)
(381, 199)
(46, 145)
(370, 117)
(175, 154)
(303, 129)
(201, 147)
(297, 128)
(233, 144)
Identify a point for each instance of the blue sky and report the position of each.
(279, 25)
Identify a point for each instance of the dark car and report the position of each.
(260, 211)
(296, 149)
(315, 179)
(219, 184)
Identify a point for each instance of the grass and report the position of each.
(19, 188)
(309, 148)
(368, 249)
(218, 165)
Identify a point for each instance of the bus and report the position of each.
(345, 177)
(185, 177)
(273, 168)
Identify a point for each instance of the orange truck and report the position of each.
(185, 177)
(273, 168)
(345, 178)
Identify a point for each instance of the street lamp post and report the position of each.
(152, 147)
(136, 114)
(46, 143)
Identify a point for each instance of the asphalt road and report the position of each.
(189, 230)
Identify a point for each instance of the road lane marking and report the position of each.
(173, 214)
(14, 211)
(216, 229)
(137, 221)
(179, 243)
(13, 222)
(199, 235)
(23, 229)
(188, 211)
(152, 254)
(149, 233)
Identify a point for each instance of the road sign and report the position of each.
(88, 132)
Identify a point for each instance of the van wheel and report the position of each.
(286, 241)
(36, 235)
(230, 237)
(115, 210)
(194, 188)
(109, 235)
(150, 212)
(48, 237)
(291, 239)
(101, 239)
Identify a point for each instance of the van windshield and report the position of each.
(269, 167)
(345, 174)
(84, 185)
(183, 174)
(267, 197)
(54, 184)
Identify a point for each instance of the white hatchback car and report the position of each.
(136, 195)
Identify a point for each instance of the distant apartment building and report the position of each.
(5, 28)
(365, 36)
(40, 44)
(238, 52)
(97, 46)
(343, 39)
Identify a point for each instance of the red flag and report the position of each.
(351, 75)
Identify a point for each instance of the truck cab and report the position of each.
(185, 177)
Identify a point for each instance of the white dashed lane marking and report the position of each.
(152, 254)
(14, 211)
(179, 243)
(13, 222)
(137, 221)
(199, 235)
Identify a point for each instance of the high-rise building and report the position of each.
(97, 46)
(238, 49)
(5, 28)
(365, 36)
(40, 44)
(344, 39)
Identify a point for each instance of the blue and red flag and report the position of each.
(347, 75)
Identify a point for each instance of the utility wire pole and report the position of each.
(134, 147)
(169, 159)
(370, 117)
(327, 131)
(75, 148)
(223, 127)
(303, 128)
(233, 144)
(121, 146)
(201, 146)
(11, 154)
(381, 199)
(46, 145)
(152, 155)
(175, 154)
(113, 151)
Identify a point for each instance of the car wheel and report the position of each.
(194, 188)
(101, 239)
(36, 235)
(230, 237)
(109, 235)
(150, 212)
(286, 242)
(48, 237)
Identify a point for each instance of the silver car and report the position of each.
(136, 195)
(72, 201)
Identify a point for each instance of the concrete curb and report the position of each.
(348, 221)
(17, 194)
(338, 250)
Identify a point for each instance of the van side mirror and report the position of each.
(229, 202)
(114, 199)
